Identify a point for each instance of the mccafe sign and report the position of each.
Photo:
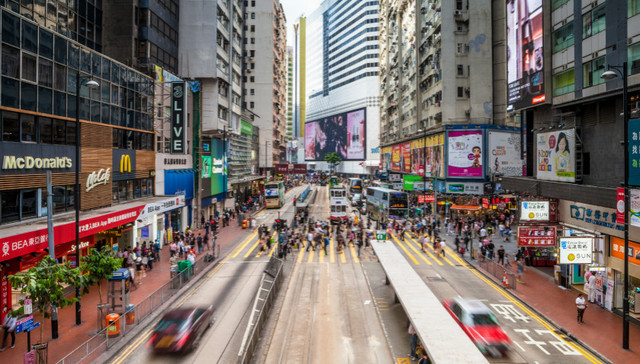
(34, 158)
(97, 178)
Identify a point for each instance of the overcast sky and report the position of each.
(293, 9)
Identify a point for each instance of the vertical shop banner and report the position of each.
(355, 134)
(309, 141)
(620, 206)
(218, 168)
(556, 159)
(464, 154)
(178, 117)
(417, 158)
(525, 38)
(406, 157)
(504, 154)
(206, 166)
(434, 160)
(634, 207)
(396, 155)
(634, 152)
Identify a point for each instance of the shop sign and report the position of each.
(175, 161)
(98, 178)
(465, 154)
(634, 152)
(246, 128)
(426, 198)
(576, 250)
(394, 177)
(485, 203)
(28, 306)
(594, 215)
(412, 182)
(472, 188)
(397, 186)
(162, 206)
(536, 236)
(124, 164)
(5, 299)
(31, 162)
(17, 158)
(534, 211)
(178, 90)
(617, 250)
(21, 244)
(291, 168)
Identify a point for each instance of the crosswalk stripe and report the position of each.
(419, 252)
(311, 255)
(445, 258)
(354, 255)
(332, 253)
(415, 261)
(253, 247)
(241, 248)
(426, 251)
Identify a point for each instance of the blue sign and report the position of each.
(26, 324)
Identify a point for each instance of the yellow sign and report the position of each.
(125, 163)
(158, 71)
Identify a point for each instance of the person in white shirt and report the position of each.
(592, 288)
(581, 305)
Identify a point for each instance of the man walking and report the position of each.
(501, 255)
(413, 339)
(581, 305)
(9, 326)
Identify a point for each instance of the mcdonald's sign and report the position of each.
(124, 164)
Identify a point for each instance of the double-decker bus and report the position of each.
(384, 202)
(355, 185)
(333, 181)
(338, 203)
(274, 194)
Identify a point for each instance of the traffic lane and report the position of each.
(231, 290)
(534, 340)
(286, 212)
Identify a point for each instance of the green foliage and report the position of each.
(43, 284)
(333, 159)
(97, 266)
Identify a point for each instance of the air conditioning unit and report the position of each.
(248, 70)
(458, 13)
(467, 112)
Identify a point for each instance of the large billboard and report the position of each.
(342, 133)
(525, 76)
(555, 159)
(218, 167)
(464, 154)
(504, 154)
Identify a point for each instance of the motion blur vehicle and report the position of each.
(180, 330)
(356, 199)
(477, 320)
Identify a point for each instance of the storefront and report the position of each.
(159, 220)
(616, 266)
(539, 243)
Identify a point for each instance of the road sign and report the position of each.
(381, 235)
(23, 323)
(28, 310)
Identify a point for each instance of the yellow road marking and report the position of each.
(273, 249)
(415, 261)
(353, 253)
(242, 246)
(445, 258)
(321, 256)
(403, 360)
(427, 252)
(332, 252)
(265, 246)
(253, 247)
(419, 253)
(343, 258)
(311, 255)
(301, 254)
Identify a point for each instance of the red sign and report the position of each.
(5, 291)
(426, 198)
(421, 170)
(553, 211)
(289, 168)
(617, 250)
(485, 203)
(21, 244)
(406, 157)
(620, 206)
(396, 156)
(537, 236)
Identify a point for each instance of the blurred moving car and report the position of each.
(181, 329)
(477, 320)
(356, 199)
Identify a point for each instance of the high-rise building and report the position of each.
(341, 83)
(265, 75)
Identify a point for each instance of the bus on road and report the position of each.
(274, 194)
(333, 181)
(355, 186)
(338, 204)
(385, 203)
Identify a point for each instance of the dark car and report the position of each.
(180, 330)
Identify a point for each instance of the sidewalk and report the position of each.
(602, 329)
(71, 336)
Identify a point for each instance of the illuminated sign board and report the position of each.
(178, 116)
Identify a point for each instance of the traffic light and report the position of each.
(294, 201)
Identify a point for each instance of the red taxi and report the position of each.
(180, 330)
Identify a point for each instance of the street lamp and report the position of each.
(91, 85)
(612, 73)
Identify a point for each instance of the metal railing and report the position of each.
(499, 271)
(106, 338)
(271, 282)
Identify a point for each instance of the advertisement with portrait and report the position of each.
(406, 157)
(434, 165)
(342, 133)
(504, 154)
(386, 160)
(396, 156)
(555, 159)
(464, 154)
(417, 157)
(206, 166)
(525, 58)
(218, 167)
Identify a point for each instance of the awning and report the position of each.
(371, 163)
(465, 207)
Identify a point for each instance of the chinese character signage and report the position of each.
(576, 250)
(178, 116)
(470, 188)
(634, 152)
(534, 211)
(536, 236)
(464, 154)
(556, 159)
(617, 250)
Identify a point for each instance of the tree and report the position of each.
(97, 266)
(43, 284)
(333, 159)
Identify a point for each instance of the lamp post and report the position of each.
(609, 75)
(91, 84)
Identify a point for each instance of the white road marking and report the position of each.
(520, 346)
(531, 341)
(510, 312)
(367, 302)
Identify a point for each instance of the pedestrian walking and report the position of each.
(9, 327)
(591, 283)
(326, 244)
(501, 255)
(359, 242)
(413, 340)
(520, 264)
(581, 305)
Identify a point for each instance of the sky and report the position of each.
(293, 9)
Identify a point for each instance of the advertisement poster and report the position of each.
(417, 157)
(396, 155)
(556, 159)
(218, 167)
(536, 236)
(608, 298)
(534, 211)
(434, 165)
(617, 250)
(206, 166)
(504, 154)
(355, 134)
(342, 133)
(525, 57)
(406, 157)
(464, 154)
(634, 207)
(309, 141)
(576, 250)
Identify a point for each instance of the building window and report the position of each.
(28, 132)
(633, 54)
(252, 79)
(460, 91)
(252, 104)
(10, 127)
(558, 3)
(253, 15)
(460, 70)
(562, 37)
(593, 22)
(252, 91)
(592, 70)
(463, 48)
(563, 82)
(633, 8)
(222, 112)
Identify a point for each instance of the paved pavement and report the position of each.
(71, 336)
(602, 329)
